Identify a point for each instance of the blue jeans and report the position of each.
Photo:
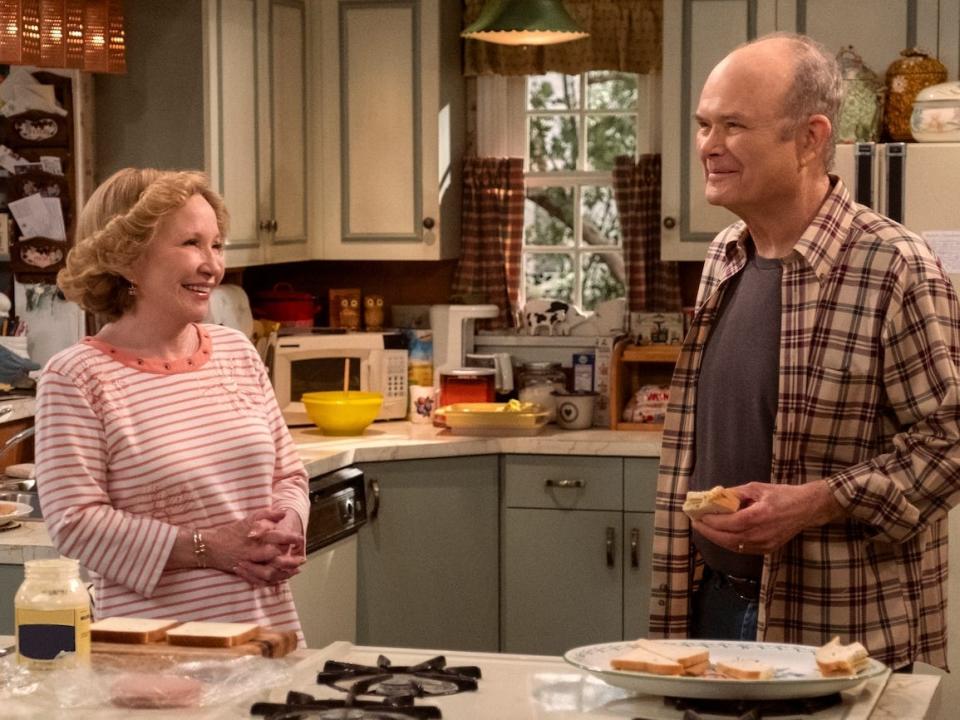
(720, 613)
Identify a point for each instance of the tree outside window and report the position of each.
(576, 126)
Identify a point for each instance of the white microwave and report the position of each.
(310, 363)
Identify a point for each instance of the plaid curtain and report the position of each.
(491, 235)
(652, 285)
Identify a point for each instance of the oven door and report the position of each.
(325, 590)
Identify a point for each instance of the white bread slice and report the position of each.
(713, 501)
(835, 659)
(698, 669)
(744, 669)
(130, 630)
(212, 634)
(646, 661)
(687, 656)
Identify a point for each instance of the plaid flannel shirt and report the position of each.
(868, 400)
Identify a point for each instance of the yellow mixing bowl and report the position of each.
(342, 413)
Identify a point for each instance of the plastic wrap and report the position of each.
(142, 682)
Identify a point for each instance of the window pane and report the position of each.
(548, 216)
(609, 90)
(553, 91)
(609, 136)
(548, 275)
(603, 278)
(553, 143)
(601, 223)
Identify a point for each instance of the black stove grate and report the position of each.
(429, 678)
(694, 708)
(301, 706)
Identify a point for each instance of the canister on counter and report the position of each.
(538, 381)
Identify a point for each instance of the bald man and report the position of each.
(820, 381)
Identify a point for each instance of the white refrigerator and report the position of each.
(916, 184)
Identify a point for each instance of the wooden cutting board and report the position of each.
(267, 643)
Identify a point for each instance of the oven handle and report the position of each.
(374, 498)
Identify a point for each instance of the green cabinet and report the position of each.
(428, 556)
(575, 564)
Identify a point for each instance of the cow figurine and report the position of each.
(550, 314)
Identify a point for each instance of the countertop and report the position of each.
(395, 440)
(513, 687)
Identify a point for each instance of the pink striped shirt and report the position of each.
(128, 449)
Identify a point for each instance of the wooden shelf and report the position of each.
(651, 353)
(633, 366)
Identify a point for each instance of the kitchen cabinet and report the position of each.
(388, 105)
(701, 32)
(428, 555)
(575, 564)
(219, 85)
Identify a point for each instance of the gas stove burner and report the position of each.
(752, 709)
(430, 678)
(300, 706)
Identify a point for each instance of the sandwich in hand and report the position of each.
(836, 660)
(716, 500)
(664, 658)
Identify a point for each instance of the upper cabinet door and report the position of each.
(699, 33)
(235, 162)
(288, 124)
(256, 55)
(391, 118)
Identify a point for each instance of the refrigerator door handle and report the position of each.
(896, 175)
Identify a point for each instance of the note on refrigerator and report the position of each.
(946, 244)
(39, 217)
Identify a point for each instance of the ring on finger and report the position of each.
(740, 548)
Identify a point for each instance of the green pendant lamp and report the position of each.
(524, 22)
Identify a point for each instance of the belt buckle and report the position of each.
(740, 585)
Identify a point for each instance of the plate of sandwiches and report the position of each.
(10, 511)
(727, 670)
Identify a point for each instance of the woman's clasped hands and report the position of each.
(265, 548)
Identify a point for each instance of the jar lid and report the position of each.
(66, 566)
(468, 372)
(942, 91)
(541, 365)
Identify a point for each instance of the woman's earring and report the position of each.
(132, 289)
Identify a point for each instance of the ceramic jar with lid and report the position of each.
(537, 383)
(906, 77)
(936, 114)
(862, 108)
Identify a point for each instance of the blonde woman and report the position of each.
(163, 462)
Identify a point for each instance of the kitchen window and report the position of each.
(574, 127)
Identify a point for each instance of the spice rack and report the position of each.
(633, 366)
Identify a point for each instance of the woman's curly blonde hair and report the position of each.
(115, 227)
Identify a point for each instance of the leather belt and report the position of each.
(747, 588)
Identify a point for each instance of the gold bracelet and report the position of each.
(199, 549)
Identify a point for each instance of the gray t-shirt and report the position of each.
(737, 397)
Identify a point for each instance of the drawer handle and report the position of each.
(611, 541)
(576, 484)
(634, 546)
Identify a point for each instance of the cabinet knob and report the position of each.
(428, 223)
(669, 222)
(264, 224)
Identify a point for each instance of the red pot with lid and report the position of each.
(286, 306)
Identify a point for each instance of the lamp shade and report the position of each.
(524, 22)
